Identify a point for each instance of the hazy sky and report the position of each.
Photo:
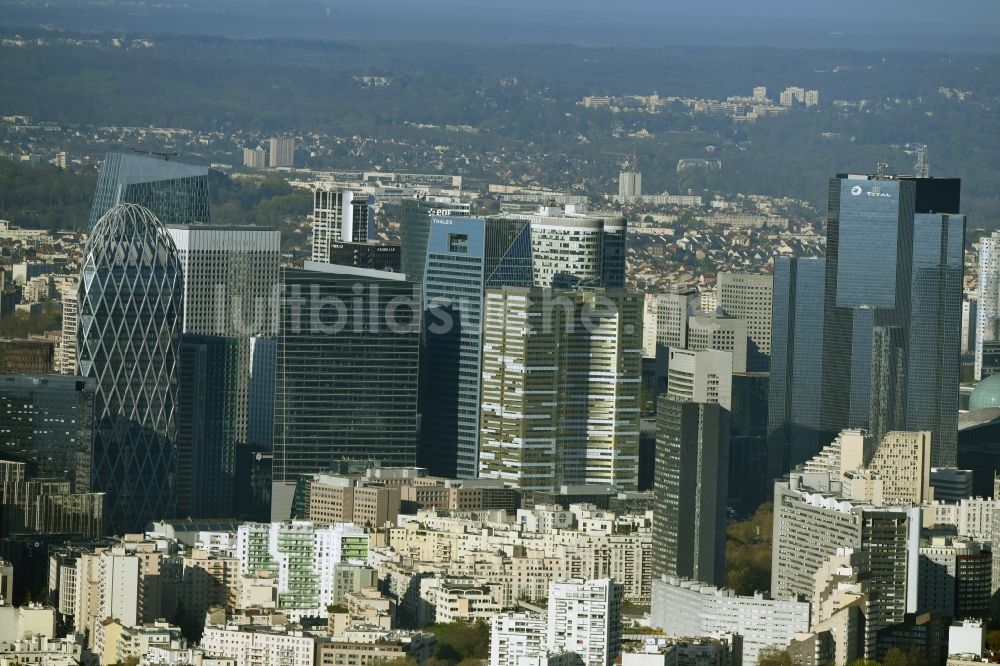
(897, 24)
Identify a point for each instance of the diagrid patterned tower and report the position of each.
(128, 339)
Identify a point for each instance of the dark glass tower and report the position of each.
(894, 272)
(465, 256)
(796, 359)
(690, 490)
(206, 442)
(346, 372)
(874, 343)
(128, 339)
(175, 193)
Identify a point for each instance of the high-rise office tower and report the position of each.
(230, 289)
(206, 432)
(895, 258)
(174, 193)
(465, 256)
(988, 314)
(130, 314)
(48, 425)
(570, 248)
(796, 360)
(281, 152)
(560, 387)
(340, 216)
(691, 477)
(690, 488)
(893, 273)
(748, 296)
(66, 357)
(716, 331)
(346, 374)
(672, 312)
(415, 225)
(749, 482)
(585, 618)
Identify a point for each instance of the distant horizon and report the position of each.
(968, 26)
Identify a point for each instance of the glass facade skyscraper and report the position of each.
(796, 360)
(465, 256)
(891, 303)
(231, 277)
(346, 373)
(206, 440)
(175, 193)
(128, 340)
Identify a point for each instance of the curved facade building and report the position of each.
(128, 340)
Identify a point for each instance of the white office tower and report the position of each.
(714, 331)
(585, 618)
(254, 158)
(704, 376)
(988, 316)
(231, 282)
(748, 296)
(340, 216)
(685, 608)
(282, 152)
(629, 183)
(66, 361)
(672, 312)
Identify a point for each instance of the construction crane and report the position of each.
(166, 156)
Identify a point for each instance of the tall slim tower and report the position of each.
(691, 477)
(173, 192)
(130, 314)
(465, 256)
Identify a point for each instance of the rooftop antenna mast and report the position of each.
(880, 170)
(923, 168)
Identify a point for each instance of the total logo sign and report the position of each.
(857, 191)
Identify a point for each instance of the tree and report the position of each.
(748, 552)
(772, 657)
(458, 641)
